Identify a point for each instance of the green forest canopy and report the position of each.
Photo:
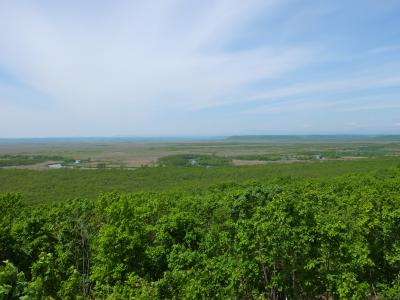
(47, 186)
(295, 239)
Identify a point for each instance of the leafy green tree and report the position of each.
(12, 282)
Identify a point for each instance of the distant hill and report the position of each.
(308, 138)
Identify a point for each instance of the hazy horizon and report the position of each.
(190, 68)
(197, 137)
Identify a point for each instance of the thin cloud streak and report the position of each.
(143, 67)
(133, 62)
(301, 90)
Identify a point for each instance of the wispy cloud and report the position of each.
(134, 66)
(139, 54)
(383, 49)
(374, 107)
(322, 88)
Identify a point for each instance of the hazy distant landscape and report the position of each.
(235, 150)
(91, 166)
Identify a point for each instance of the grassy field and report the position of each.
(57, 185)
(129, 165)
(131, 153)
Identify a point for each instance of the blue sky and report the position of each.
(172, 68)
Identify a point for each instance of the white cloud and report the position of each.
(140, 56)
(123, 66)
(333, 86)
(383, 50)
(374, 107)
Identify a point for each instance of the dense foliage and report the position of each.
(46, 186)
(294, 239)
(195, 160)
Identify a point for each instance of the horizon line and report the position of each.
(188, 136)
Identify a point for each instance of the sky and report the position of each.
(196, 68)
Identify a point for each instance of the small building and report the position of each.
(55, 166)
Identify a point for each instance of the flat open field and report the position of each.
(133, 153)
(186, 165)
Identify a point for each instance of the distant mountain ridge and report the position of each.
(219, 138)
(317, 137)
